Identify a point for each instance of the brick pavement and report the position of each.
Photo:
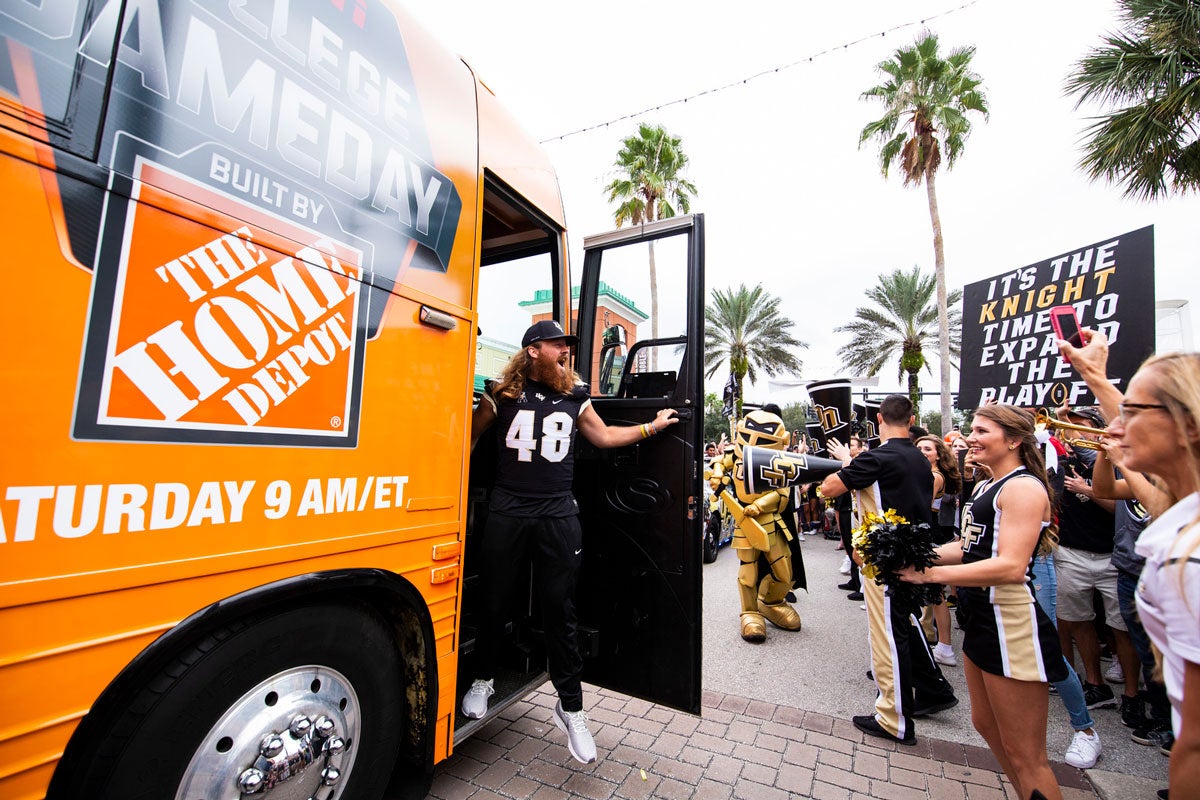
(739, 748)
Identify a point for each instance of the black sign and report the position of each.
(1009, 350)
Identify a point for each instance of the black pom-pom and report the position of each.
(890, 542)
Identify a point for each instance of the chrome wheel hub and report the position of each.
(289, 738)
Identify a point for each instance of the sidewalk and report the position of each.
(739, 748)
(775, 725)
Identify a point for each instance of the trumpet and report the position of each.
(1044, 421)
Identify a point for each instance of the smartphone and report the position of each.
(1066, 326)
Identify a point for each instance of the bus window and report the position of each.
(639, 323)
(517, 278)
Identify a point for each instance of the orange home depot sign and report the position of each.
(245, 329)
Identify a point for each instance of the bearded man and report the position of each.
(539, 404)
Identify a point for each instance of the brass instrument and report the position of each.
(1044, 421)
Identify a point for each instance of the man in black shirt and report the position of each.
(539, 404)
(895, 476)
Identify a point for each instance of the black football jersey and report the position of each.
(535, 434)
(980, 526)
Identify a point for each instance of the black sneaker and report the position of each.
(1133, 712)
(934, 708)
(1155, 736)
(1099, 695)
(870, 726)
(855, 597)
(849, 586)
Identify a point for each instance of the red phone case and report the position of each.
(1056, 315)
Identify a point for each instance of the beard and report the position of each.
(553, 374)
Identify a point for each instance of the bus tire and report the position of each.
(310, 695)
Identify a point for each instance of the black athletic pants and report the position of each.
(554, 545)
(844, 530)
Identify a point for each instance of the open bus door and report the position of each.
(640, 506)
(638, 596)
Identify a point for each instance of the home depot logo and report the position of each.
(243, 329)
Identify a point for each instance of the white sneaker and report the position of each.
(475, 701)
(845, 568)
(1084, 750)
(579, 738)
(945, 656)
(1114, 673)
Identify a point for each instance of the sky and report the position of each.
(790, 199)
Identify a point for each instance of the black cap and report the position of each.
(1088, 413)
(546, 329)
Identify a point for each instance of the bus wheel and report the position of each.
(303, 703)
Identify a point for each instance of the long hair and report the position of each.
(511, 381)
(947, 465)
(1017, 423)
(1176, 384)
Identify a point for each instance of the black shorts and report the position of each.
(1017, 641)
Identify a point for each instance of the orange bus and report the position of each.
(261, 256)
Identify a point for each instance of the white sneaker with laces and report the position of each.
(945, 655)
(579, 738)
(475, 701)
(845, 568)
(1114, 673)
(1084, 751)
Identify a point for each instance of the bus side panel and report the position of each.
(109, 540)
(64, 652)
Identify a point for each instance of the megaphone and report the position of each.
(872, 423)
(764, 469)
(816, 438)
(831, 401)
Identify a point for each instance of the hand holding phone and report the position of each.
(1066, 326)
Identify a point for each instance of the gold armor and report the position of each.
(760, 533)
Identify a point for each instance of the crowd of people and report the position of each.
(1046, 544)
(1055, 544)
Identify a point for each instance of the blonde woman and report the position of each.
(1010, 646)
(1158, 432)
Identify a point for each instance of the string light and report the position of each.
(772, 71)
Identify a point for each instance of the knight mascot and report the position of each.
(760, 532)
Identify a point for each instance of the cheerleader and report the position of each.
(1010, 646)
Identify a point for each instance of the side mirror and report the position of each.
(612, 359)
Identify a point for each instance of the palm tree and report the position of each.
(928, 97)
(745, 328)
(1150, 71)
(651, 186)
(903, 323)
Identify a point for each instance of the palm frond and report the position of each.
(1149, 73)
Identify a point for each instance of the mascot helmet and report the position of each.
(760, 429)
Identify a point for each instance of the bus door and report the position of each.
(641, 331)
